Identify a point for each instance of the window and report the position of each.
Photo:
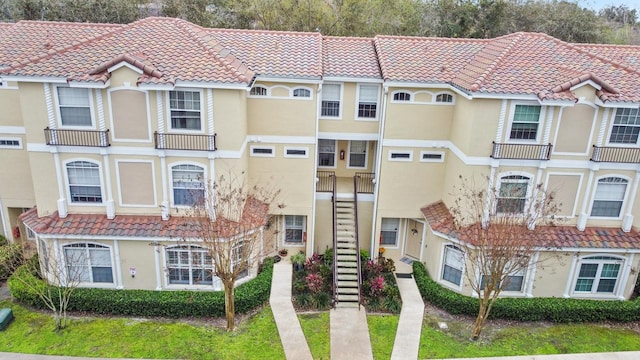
(401, 155)
(302, 93)
(326, 153)
(430, 156)
(258, 91)
(512, 195)
(188, 185)
(525, 122)
(295, 152)
(237, 257)
(357, 154)
(609, 196)
(266, 151)
(84, 182)
(293, 228)
(444, 98)
(89, 263)
(389, 231)
(367, 101)
(598, 274)
(189, 265)
(75, 109)
(401, 96)
(512, 282)
(185, 110)
(626, 127)
(10, 143)
(453, 265)
(330, 100)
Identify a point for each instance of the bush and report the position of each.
(558, 310)
(3, 240)
(174, 304)
(10, 259)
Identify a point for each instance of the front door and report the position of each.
(414, 239)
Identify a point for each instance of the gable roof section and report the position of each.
(350, 57)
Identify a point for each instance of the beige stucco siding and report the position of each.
(129, 115)
(474, 125)
(11, 108)
(230, 118)
(565, 191)
(575, 129)
(137, 185)
(141, 256)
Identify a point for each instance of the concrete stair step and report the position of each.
(347, 264)
(348, 283)
(346, 244)
(348, 291)
(348, 297)
(352, 258)
(347, 277)
(347, 305)
(348, 251)
(344, 270)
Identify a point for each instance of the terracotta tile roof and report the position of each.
(441, 220)
(350, 57)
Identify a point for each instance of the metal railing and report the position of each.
(334, 199)
(164, 141)
(66, 137)
(355, 218)
(615, 154)
(326, 181)
(521, 151)
(363, 183)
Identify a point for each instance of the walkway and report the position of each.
(407, 342)
(291, 335)
(349, 334)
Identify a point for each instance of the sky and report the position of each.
(599, 4)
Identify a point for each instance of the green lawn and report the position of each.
(382, 330)
(316, 329)
(31, 332)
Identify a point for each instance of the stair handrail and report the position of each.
(355, 215)
(334, 199)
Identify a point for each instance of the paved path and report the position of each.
(626, 355)
(291, 335)
(349, 334)
(407, 341)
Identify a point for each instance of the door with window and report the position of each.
(414, 239)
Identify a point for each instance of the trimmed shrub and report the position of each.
(3, 240)
(148, 303)
(558, 310)
(10, 258)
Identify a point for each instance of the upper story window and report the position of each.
(301, 93)
(185, 110)
(401, 96)
(444, 98)
(626, 127)
(189, 265)
(74, 106)
(598, 275)
(84, 182)
(89, 263)
(512, 194)
(258, 91)
(609, 197)
(330, 100)
(526, 119)
(367, 101)
(326, 153)
(188, 184)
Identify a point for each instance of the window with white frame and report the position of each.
(389, 231)
(367, 101)
(74, 106)
(89, 263)
(513, 281)
(326, 152)
(189, 265)
(598, 275)
(453, 265)
(301, 93)
(357, 154)
(84, 182)
(431, 156)
(444, 98)
(10, 143)
(524, 125)
(401, 96)
(258, 91)
(185, 110)
(296, 152)
(294, 228)
(609, 197)
(239, 258)
(188, 184)
(626, 127)
(265, 151)
(398, 155)
(512, 194)
(330, 100)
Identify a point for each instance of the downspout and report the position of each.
(376, 187)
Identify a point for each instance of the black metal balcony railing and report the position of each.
(364, 183)
(165, 141)
(521, 151)
(615, 154)
(95, 138)
(325, 181)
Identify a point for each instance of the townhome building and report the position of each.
(110, 132)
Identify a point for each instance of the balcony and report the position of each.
(363, 182)
(185, 142)
(521, 151)
(94, 138)
(615, 154)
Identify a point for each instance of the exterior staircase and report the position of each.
(347, 292)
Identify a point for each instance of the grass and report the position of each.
(32, 332)
(382, 330)
(315, 327)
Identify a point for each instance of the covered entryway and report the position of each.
(414, 236)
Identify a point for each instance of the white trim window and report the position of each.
(259, 90)
(326, 153)
(185, 110)
(626, 126)
(296, 152)
(401, 96)
(301, 93)
(294, 228)
(330, 100)
(10, 143)
(399, 155)
(263, 151)
(444, 98)
(389, 231)
(88, 263)
(358, 154)
(453, 265)
(513, 282)
(512, 194)
(74, 105)
(598, 275)
(432, 156)
(367, 101)
(84, 182)
(188, 184)
(526, 119)
(189, 265)
(609, 197)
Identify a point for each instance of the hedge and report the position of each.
(10, 257)
(148, 303)
(558, 310)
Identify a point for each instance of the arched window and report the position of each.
(189, 265)
(444, 98)
(609, 197)
(188, 184)
(401, 96)
(90, 263)
(302, 93)
(84, 182)
(512, 194)
(258, 91)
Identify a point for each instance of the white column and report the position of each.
(62, 198)
(111, 209)
(156, 252)
(501, 120)
(572, 271)
(627, 221)
(582, 218)
(490, 194)
(116, 249)
(603, 127)
(628, 263)
(210, 118)
(49, 102)
(164, 205)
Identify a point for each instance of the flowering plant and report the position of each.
(314, 282)
(381, 250)
(376, 286)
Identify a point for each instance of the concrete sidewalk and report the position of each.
(625, 355)
(407, 342)
(350, 334)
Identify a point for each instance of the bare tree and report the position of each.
(499, 231)
(229, 223)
